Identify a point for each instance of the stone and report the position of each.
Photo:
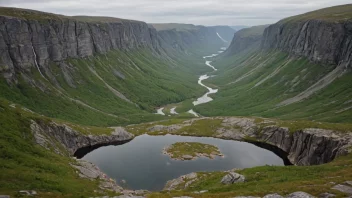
(4, 196)
(28, 192)
(299, 195)
(343, 188)
(200, 192)
(232, 177)
(348, 183)
(273, 196)
(187, 157)
(183, 197)
(326, 195)
(245, 197)
(73, 140)
(303, 39)
(54, 40)
(177, 183)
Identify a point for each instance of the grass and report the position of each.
(24, 165)
(145, 81)
(336, 13)
(265, 180)
(44, 16)
(175, 26)
(251, 31)
(195, 149)
(253, 83)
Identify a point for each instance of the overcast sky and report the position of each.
(202, 12)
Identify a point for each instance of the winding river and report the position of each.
(140, 164)
(205, 98)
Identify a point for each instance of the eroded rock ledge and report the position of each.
(310, 146)
(64, 140)
(70, 141)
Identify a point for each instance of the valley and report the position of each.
(106, 107)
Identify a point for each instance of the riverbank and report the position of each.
(170, 110)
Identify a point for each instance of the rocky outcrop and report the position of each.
(309, 146)
(182, 40)
(182, 182)
(232, 178)
(30, 43)
(70, 141)
(327, 42)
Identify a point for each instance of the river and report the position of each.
(205, 98)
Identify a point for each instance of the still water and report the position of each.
(140, 164)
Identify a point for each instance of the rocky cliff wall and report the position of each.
(328, 42)
(246, 39)
(308, 146)
(49, 134)
(26, 44)
(184, 40)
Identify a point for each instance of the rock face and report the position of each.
(46, 134)
(182, 40)
(308, 146)
(28, 43)
(246, 39)
(320, 41)
(181, 182)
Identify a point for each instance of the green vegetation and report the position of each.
(183, 150)
(24, 165)
(253, 83)
(176, 26)
(336, 13)
(265, 180)
(147, 82)
(41, 16)
(252, 31)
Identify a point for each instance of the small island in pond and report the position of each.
(191, 151)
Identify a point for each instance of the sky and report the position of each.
(200, 12)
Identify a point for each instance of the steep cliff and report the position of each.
(189, 39)
(47, 134)
(104, 68)
(247, 38)
(323, 36)
(27, 41)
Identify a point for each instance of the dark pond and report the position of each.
(143, 166)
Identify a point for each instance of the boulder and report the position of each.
(343, 189)
(232, 178)
(299, 195)
(273, 196)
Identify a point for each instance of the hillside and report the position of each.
(96, 70)
(72, 84)
(297, 69)
(246, 39)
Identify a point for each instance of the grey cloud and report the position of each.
(205, 12)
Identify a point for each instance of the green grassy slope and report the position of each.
(336, 13)
(255, 82)
(24, 165)
(146, 80)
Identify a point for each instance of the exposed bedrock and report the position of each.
(57, 136)
(27, 43)
(321, 41)
(310, 146)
